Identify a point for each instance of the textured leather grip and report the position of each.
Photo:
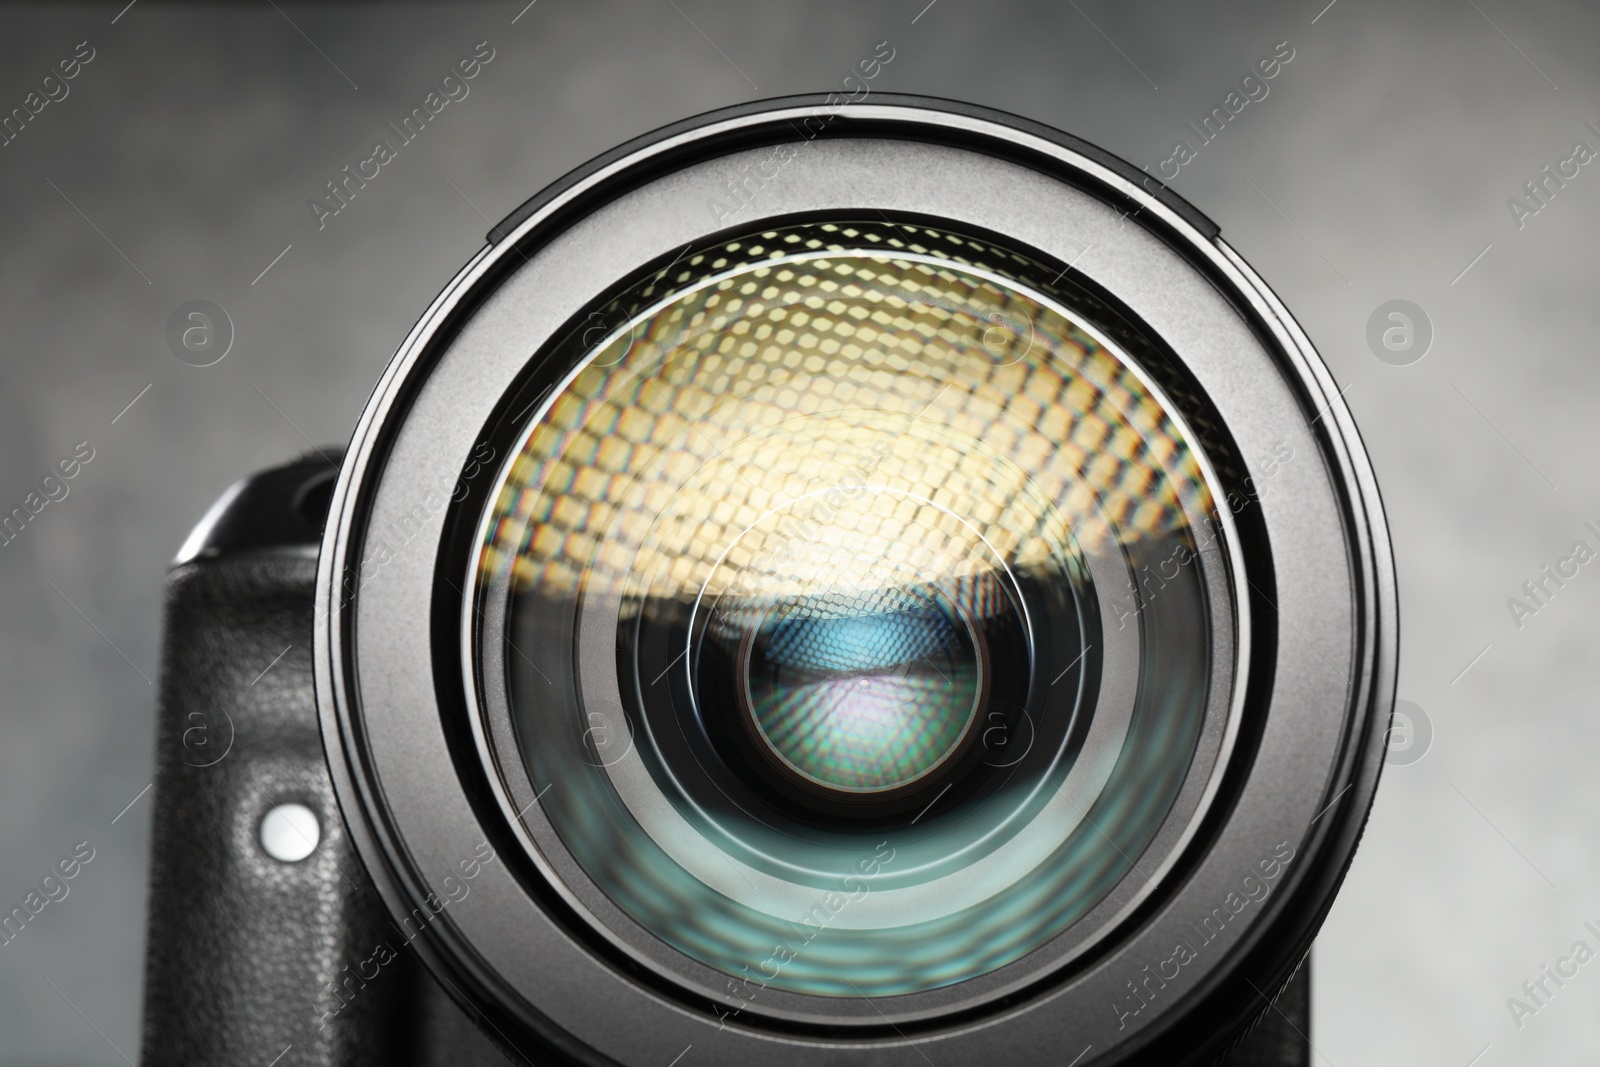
(244, 950)
(252, 960)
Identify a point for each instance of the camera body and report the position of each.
(826, 621)
(250, 956)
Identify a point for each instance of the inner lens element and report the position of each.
(863, 688)
(856, 606)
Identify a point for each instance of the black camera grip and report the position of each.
(253, 960)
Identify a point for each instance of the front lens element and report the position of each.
(858, 607)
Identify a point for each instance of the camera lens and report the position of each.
(857, 583)
(863, 603)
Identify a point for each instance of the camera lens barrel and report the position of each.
(857, 583)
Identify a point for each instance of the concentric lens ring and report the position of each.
(721, 449)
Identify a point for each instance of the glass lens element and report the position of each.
(855, 600)
(863, 689)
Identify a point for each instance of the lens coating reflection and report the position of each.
(836, 515)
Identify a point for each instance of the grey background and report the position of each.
(1381, 163)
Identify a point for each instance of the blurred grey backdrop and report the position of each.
(179, 166)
